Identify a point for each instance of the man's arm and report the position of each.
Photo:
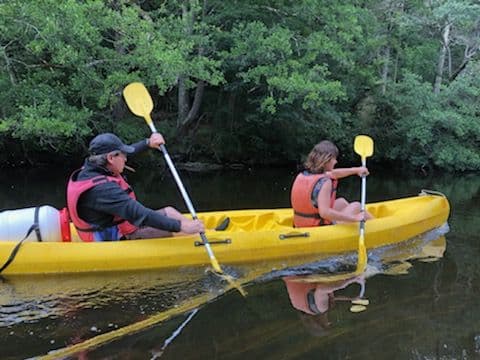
(111, 199)
(154, 142)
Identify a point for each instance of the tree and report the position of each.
(457, 24)
(255, 81)
(65, 65)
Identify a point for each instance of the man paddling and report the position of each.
(103, 206)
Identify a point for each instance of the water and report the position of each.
(423, 308)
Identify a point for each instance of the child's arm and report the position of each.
(344, 172)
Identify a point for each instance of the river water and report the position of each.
(423, 295)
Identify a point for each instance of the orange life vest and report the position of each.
(302, 296)
(304, 200)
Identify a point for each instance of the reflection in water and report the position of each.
(157, 353)
(315, 299)
(314, 295)
(266, 325)
(71, 305)
(26, 300)
(396, 260)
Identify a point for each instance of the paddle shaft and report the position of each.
(184, 193)
(363, 198)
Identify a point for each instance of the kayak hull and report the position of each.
(251, 236)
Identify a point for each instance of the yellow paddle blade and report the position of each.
(215, 265)
(357, 308)
(363, 146)
(234, 284)
(362, 256)
(219, 272)
(363, 302)
(138, 99)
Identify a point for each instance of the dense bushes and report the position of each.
(252, 81)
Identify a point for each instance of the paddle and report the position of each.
(363, 146)
(140, 103)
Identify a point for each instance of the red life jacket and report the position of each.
(304, 203)
(76, 188)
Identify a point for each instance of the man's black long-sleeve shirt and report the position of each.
(101, 203)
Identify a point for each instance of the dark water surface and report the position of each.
(423, 308)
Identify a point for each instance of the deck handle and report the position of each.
(293, 235)
(213, 242)
(431, 192)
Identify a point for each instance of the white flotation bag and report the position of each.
(43, 222)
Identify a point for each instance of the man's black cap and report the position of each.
(107, 142)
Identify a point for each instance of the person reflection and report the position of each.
(314, 299)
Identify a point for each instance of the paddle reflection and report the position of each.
(315, 295)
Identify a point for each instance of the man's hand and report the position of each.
(192, 226)
(360, 216)
(155, 140)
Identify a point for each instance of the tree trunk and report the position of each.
(395, 69)
(183, 101)
(8, 66)
(386, 69)
(231, 110)
(183, 96)
(197, 101)
(441, 58)
(188, 113)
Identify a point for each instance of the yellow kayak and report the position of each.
(251, 236)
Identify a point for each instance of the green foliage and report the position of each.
(279, 75)
(65, 64)
(428, 130)
(287, 66)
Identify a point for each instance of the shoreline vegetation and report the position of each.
(256, 83)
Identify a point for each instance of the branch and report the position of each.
(276, 11)
(468, 55)
(8, 65)
(96, 62)
(28, 25)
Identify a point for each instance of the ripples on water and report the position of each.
(26, 300)
(63, 310)
(429, 313)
